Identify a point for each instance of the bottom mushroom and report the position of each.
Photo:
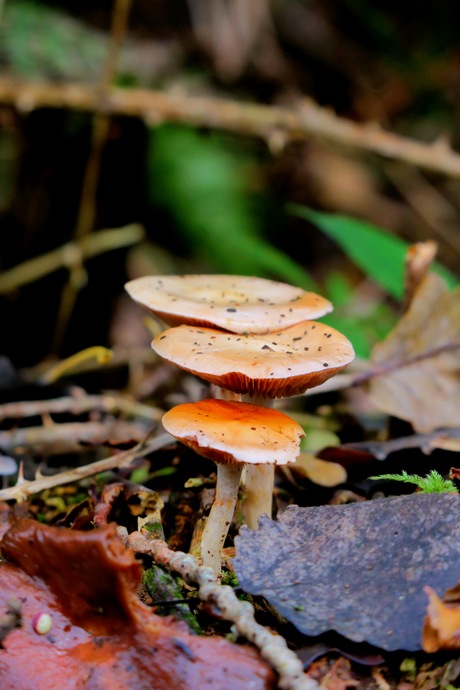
(231, 434)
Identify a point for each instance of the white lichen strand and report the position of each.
(272, 647)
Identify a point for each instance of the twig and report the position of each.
(273, 647)
(353, 380)
(88, 204)
(111, 403)
(65, 256)
(427, 442)
(305, 121)
(26, 488)
(72, 437)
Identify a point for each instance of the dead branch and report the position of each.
(70, 255)
(110, 403)
(74, 437)
(26, 488)
(305, 121)
(273, 647)
(426, 442)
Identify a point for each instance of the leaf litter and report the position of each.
(101, 635)
(420, 360)
(359, 569)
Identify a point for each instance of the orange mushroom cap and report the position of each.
(231, 432)
(239, 304)
(271, 365)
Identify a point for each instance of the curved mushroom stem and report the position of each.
(220, 517)
(259, 481)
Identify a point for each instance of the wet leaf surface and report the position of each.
(102, 636)
(359, 569)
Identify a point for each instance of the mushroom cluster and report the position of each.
(255, 338)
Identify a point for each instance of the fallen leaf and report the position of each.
(321, 472)
(420, 360)
(441, 629)
(101, 635)
(359, 569)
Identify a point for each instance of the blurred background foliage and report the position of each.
(304, 212)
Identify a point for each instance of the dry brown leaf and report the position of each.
(441, 628)
(420, 360)
(321, 472)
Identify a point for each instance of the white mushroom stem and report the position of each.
(259, 482)
(220, 517)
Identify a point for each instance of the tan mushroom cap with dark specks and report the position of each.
(231, 432)
(273, 365)
(239, 304)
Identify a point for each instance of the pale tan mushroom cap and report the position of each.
(229, 432)
(272, 365)
(238, 304)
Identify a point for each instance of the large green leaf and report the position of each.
(379, 254)
(205, 186)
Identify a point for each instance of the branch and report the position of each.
(111, 403)
(26, 488)
(275, 124)
(70, 437)
(69, 255)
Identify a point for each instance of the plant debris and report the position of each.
(358, 569)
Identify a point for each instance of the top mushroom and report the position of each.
(238, 304)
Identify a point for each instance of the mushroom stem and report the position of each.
(220, 517)
(258, 501)
(259, 481)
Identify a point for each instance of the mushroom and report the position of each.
(231, 434)
(272, 365)
(239, 304)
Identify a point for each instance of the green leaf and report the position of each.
(378, 254)
(204, 185)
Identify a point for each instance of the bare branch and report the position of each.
(111, 403)
(307, 120)
(26, 488)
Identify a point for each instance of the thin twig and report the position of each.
(88, 201)
(76, 251)
(305, 121)
(427, 442)
(273, 647)
(26, 488)
(358, 379)
(71, 437)
(112, 403)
